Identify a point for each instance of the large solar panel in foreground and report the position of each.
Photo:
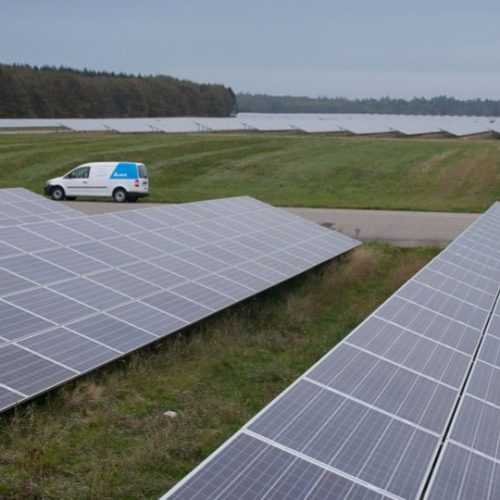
(79, 291)
(407, 405)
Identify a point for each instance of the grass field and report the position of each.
(105, 436)
(282, 169)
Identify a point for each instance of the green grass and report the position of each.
(105, 436)
(282, 169)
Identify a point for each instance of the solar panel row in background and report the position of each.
(369, 419)
(81, 291)
(358, 124)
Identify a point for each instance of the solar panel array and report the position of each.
(79, 291)
(20, 206)
(357, 124)
(407, 405)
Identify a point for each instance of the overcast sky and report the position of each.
(356, 48)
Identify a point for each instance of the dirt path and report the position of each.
(397, 227)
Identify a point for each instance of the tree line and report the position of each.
(441, 105)
(50, 92)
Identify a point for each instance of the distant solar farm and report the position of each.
(355, 124)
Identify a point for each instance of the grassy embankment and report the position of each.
(282, 169)
(105, 436)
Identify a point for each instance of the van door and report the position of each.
(143, 178)
(76, 182)
(99, 184)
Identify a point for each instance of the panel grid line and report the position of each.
(421, 335)
(449, 294)
(399, 365)
(324, 466)
(461, 282)
(371, 406)
(435, 312)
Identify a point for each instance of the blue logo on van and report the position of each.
(125, 171)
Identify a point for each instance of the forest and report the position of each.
(440, 105)
(61, 92)
(50, 92)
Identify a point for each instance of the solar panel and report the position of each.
(458, 126)
(19, 206)
(319, 125)
(463, 126)
(266, 122)
(178, 125)
(407, 405)
(220, 124)
(131, 125)
(83, 124)
(28, 123)
(80, 291)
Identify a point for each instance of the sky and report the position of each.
(327, 48)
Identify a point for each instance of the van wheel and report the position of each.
(57, 193)
(119, 195)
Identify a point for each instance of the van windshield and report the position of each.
(143, 171)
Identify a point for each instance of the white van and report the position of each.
(124, 181)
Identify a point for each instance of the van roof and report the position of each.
(113, 162)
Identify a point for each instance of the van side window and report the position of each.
(79, 173)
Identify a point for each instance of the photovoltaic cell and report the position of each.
(105, 253)
(200, 259)
(9, 398)
(133, 247)
(261, 467)
(90, 293)
(58, 233)
(80, 291)
(87, 227)
(10, 283)
(226, 287)
(35, 269)
(50, 305)
(8, 250)
(125, 283)
(151, 273)
(148, 318)
(179, 266)
(25, 240)
(70, 349)
(72, 261)
(203, 295)
(178, 306)
(112, 332)
(17, 323)
(463, 474)
(406, 406)
(17, 366)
